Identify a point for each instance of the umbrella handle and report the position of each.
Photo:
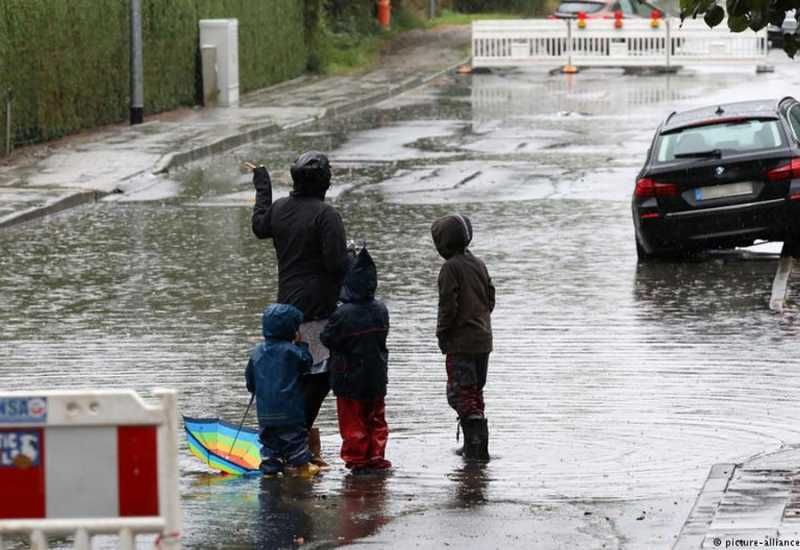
(247, 410)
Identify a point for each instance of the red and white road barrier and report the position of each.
(89, 462)
(612, 43)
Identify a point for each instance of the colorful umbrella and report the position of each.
(215, 442)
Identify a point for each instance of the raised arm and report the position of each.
(262, 224)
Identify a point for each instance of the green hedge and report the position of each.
(68, 61)
(517, 6)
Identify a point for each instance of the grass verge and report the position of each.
(449, 17)
(347, 52)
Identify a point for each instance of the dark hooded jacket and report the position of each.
(466, 293)
(356, 335)
(275, 366)
(310, 244)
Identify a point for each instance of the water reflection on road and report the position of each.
(613, 386)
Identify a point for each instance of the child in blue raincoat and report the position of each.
(273, 374)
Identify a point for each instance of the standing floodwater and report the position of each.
(612, 389)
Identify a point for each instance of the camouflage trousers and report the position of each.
(466, 376)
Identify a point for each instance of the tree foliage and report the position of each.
(745, 14)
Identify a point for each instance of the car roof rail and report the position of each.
(672, 114)
(781, 100)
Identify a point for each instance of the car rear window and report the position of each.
(729, 137)
(575, 7)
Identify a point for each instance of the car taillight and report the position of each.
(648, 189)
(788, 171)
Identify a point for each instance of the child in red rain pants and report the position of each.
(356, 337)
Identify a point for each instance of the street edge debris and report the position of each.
(171, 161)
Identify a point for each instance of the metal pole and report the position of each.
(137, 66)
(669, 42)
(9, 139)
(432, 9)
(247, 410)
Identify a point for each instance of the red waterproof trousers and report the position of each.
(364, 433)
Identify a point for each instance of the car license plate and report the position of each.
(720, 191)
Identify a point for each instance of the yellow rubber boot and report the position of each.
(306, 471)
(316, 449)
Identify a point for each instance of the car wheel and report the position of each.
(642, 254)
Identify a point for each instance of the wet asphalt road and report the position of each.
(613, 388)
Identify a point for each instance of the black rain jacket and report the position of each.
(466, 292)
(310, 244)
(356, 335)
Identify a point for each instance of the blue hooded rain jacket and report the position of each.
(276, 364)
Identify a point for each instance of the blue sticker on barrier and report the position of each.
(23, 409)
(19, 449)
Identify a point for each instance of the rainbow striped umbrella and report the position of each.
(210, 440)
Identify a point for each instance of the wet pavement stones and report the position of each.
(123, 158)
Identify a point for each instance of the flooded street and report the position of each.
(613, 388)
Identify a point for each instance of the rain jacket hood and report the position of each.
(311, 175)
(451, 234)
(281, 321)
(361, 280)
(275, 367)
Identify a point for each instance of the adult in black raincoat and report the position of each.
(309, 239)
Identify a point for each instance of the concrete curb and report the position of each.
(693, 532)
(63, 203)
(178, 159)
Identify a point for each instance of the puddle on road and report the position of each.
(610, 383)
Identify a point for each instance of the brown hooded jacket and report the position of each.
(466, 293)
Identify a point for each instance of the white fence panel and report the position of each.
(502, 43)
(694, 43)
(600, 43)
(637, 43)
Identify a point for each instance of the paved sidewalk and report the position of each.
(87, 167)
(755, 504)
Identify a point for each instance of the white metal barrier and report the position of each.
(557, 42)
(87, 463)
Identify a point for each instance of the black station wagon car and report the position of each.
(720, 177)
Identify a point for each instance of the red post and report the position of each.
(618, 19)
(385, 13)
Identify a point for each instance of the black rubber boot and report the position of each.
(461, 427)
(476, 439)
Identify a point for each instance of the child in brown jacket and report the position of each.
(464, 328)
